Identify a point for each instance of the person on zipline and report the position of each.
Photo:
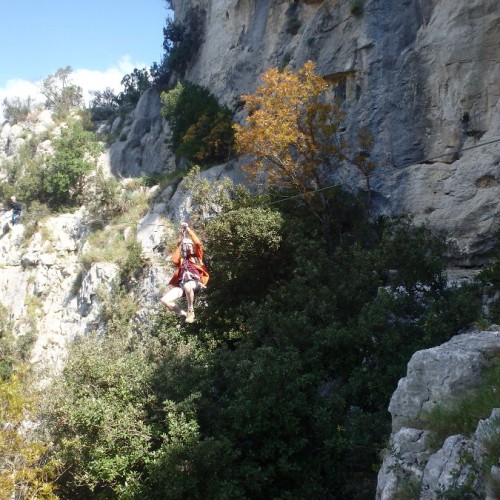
(190, 276)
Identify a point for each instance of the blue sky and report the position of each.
(101, 40)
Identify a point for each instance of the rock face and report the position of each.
(434, 376)
(140, 148)
(50, 298)
(423, 75)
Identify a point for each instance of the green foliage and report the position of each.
(134, 85)
(25, 172)
(281, 389)
(25, 471)
(134, 262)
(36, 213)
(6, 344)
(182, 41)
(162, 179)
(106, 104)
(201, 128)
(16, 109)
(213, 198)
(97, 416)
(106, 245)
(245, 246)
(103, 104)
(104, 200)
(76, 152)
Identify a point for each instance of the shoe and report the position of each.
(190, 317)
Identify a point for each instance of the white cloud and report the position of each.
(100, 80)
(20, 88)
(85, 78)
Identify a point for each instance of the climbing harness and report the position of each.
(187, 275)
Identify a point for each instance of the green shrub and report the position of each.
(25, 470)
(97, 415)
(105, 245)
(201, 128)
(61, 95)
(37, 212)
(134, 85)
(7, 352)
(104, 200)
(25, 172)
(76, 152)
(16, 109)
(133, 263)
(462, 414)
(281, 388)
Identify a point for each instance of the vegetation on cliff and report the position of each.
(281, 388)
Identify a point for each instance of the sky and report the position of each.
(101, 40)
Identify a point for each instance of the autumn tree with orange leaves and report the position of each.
(293, 135)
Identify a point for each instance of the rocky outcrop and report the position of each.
(12, 137)
(423, 75)
(438, 375)
(140, 146)
(50, 297)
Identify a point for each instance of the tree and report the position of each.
(294, 134)
(201, 127)
(103, 104)
(76, 152)
(134, 85)
(61, 95)
(181, 41)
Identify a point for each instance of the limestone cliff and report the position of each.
(460, 466)
(423, 75)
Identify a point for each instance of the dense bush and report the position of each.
(25, 173)
(16, 109)
(98, 417)
(281, 389)
(76, 152)
(26, 470)
(106, 104)
(201, 128)
(57, 180)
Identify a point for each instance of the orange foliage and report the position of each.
(291, 131)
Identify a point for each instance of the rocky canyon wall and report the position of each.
(422, 75)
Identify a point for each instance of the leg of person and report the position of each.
(189, 289)
(169, 299)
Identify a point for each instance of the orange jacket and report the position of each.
(196, 259)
